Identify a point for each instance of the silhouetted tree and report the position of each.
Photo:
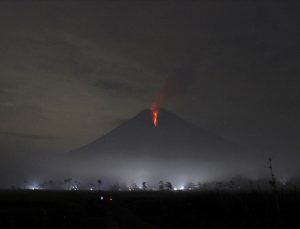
(91, 186)
(231, 185)
(191, 186)
(99, 184)
(169, 186)
(272, 182)
(144, 186)
(115, 187)
(202, 186)
(76, 185)
(67, 182)
(161, 185)
(134, 187)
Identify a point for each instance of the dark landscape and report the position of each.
(78, 209)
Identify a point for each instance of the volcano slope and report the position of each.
(174, 146)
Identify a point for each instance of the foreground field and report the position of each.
(66, 209)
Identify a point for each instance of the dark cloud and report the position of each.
(119, 88)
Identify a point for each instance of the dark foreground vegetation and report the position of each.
(79, 209)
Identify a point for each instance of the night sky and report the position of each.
(72, 71)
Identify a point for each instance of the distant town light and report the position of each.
(34, 187)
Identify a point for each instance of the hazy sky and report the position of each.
(71, 72)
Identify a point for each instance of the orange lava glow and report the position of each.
(154, 111)
(155, 117)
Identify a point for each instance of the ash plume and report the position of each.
(176, 84)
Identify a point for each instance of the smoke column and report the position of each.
(176, 84)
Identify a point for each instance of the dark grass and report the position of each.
(78, 209)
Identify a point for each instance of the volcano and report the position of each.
(173, 138)
(137, 149)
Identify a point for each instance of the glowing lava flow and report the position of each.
(155, 117)
(154, 112)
